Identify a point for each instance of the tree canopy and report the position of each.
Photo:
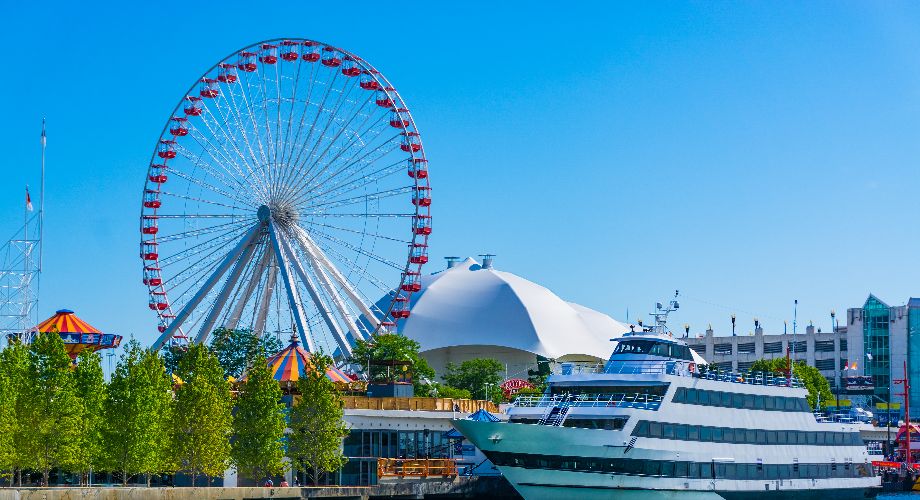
(372, 356)
(91, 389)
(818, 386)
(480, 376)
(235, 348)
(259, 423)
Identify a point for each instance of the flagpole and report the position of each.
(41, 203)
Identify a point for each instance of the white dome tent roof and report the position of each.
(487, 310)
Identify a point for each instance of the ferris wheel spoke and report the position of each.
(300, 191)
(199, 200)
(191, 251)
(355, 231)
(313, 126)
(364, 197)
(260, 314)
(199, 232)
(253, 181)
(195, 180)
(365, 214)
(250, 114)
(355, 268)
(359, 250)
(197, 161)
(233, 110)
(354, 182)
(287, 155)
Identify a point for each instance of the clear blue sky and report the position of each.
(747, 153)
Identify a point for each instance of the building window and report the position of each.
(772, 347)
(722, 349)
(745, 366)
(843, 344)
(876, 321)
(824, 346)
(746, 348)
(826, 364)
(797, 347)
(699, 348)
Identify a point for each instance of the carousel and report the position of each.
(293, 362)
(78, 335)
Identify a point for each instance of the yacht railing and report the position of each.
(614, 400)
(683, 368)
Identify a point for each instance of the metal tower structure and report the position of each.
(20, 267)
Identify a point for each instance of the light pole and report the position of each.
(733, 324)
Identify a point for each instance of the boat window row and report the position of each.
(683, 469)
(607, 424)
(654, 348)
(652, 390)
(739, 400)
(706, 433)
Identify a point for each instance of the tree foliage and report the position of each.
(138, 411)
(91, 390)
(234, 348)
(317, 428)
(480, 376)
(259, 423)
(14, 367)
(51, 407)
(373, 355)
(203, 419)
(818, 386)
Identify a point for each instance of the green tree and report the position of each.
(818, 386)
(259, 423)
(389, 347)
(52, 410)
(446, 391)
(234, 348)
(317, 426)
(138, 410)
(91, 389)
(203, 418)
(14, 367)
(480, 376)
(7, 424)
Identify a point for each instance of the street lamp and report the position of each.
(686, 330)
(733, 324)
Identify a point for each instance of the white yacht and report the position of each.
(655, 423)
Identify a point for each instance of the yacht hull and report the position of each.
(535, 483)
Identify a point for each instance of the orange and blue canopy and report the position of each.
(292, 362)
(76, 333)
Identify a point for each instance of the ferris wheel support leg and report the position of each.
(331, 291)
(292, 293)
(266, 298)
(228, 287)
(340, 278)
(251, 285)
(334, 327)
(234, 254)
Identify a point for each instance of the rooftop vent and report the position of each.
(487, 259)
(452, 261)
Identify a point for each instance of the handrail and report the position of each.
(617, 400)
(682, 368)
(416, 467)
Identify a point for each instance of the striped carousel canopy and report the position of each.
(292, 362)
(76, 333)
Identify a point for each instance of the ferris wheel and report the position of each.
(288, 191)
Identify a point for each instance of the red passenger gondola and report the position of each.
(247, 61)
(311, 51)
(209, 88)
(269, 53)
(152, 276)
(149, 250)
(167, 150)
(178, 126)
(350, 67)
(383, 98)
(368, 80)
(422, 196)
(412, 282)
(399, 117)
(400, 307)
(226, 73)
(289, 50)
(331, 57)
(149, 224)
(152, 198)
(411, 142)
(193, 105)
(418, 168)
(418, 253)
(158, 173)
(421, 224)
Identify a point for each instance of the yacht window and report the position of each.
(749, 401)
(738, 400)
(718, 434)
(667, 469)
(728, 435)
(706, 434)
(772, 437)
(821, 437)
(654, 429)
(838, 438)
(791, 404)
(642, 428)
(769, 403)
(694, 433)
(695, 470)
(652, 468)
(702, 397)
(668, 430)
(682, 432)
(812, 437)
(761, 436)
(634, 347)
(750, 436)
